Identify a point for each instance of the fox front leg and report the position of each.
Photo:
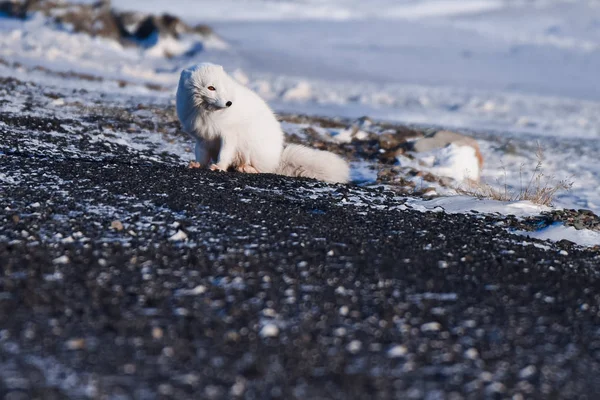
(226, 156)
(202, 155)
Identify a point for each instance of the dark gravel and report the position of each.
(125, 276)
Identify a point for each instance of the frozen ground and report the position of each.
(126, 275)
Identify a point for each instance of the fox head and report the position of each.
(204, 88)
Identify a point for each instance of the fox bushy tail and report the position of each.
(302, 161)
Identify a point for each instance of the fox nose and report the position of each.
(228, 104)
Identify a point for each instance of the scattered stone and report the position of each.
(431, 327)
(527, 372)
(157, 333)
(198, 290)
(75, 344)
(388, 141)
(269, 331)
(129, 369)
(179, 236)
(116, 225)
(354, 346)
(238, 387)
(397, 351)
(61, 260)
(472, 354)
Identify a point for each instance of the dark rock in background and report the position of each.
(99, 19)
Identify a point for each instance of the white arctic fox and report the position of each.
(235, 128)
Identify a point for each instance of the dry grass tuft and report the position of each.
(539, 188)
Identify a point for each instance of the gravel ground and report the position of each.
(126, 275)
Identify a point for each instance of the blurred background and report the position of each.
(451, 62)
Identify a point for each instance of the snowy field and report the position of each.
(514, 74)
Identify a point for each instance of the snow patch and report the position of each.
(558, 231)
(466, 204)
(453, 161)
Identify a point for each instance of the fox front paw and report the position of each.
(215, 167)
(194, 164)
(247, 168)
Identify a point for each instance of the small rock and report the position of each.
(129, 369)
(75, 344)
(157, 333)
(431, 327)
(389, 141)
(269, 312)
(472, 354)
(232, 336)
(341, 331)
(269, 330)
(495, 388)
(200, 289)
(116, 225)
(180, 235)
(354, 346)
(238, 387)
(397, 351)
(61, 260)
(527, 372)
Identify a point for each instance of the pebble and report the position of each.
(61, 260)
(180, 235)
(129, 369)
(75, 344)
(157, 333)
(238, 388)
(116, 225)
(354, 346)
(200, 289)
(472, 354)
(269, 330)
(397, 351)
(527, 372)
(431, 327)
(340, 331)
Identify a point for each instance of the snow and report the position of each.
(302, 91)
(557, 232)
(457, 162)
(362, 172)
(467, 204)
(453, 161)
(257, 10)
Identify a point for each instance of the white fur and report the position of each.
(297, 160)
(245, 133)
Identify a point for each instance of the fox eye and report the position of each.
(211, 88)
